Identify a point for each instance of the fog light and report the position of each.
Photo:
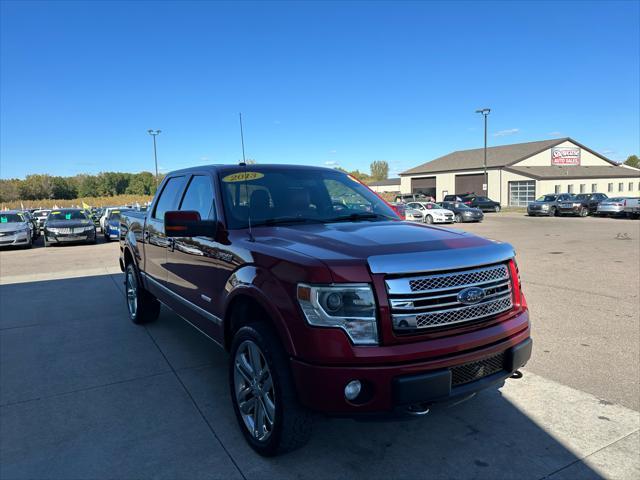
(352, 390)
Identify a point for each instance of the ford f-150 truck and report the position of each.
(325, 300)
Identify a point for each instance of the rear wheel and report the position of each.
(263, 393)
(141, 305)
(429, 219)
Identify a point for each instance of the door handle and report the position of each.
(172, 244)
(145, 236)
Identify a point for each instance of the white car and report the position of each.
(432, 212)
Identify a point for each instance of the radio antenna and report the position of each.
(244, 160)
(246, 187)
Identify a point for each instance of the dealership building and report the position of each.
(518, 173)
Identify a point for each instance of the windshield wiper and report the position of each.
(358, 216)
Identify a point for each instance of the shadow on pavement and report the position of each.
(86, 394)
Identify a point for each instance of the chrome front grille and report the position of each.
(435, 300)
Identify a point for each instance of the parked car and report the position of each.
(413, 215)
(33, 224)
(41, 216)
(320, 310)
(547, 205)
(15, 229)
(589, 200)
(478, 201)
(573, 206)
(112, 225)
(432, 212)
(105, 214)
(632, 207)
(463, 213)
(611, 207)
(68, 225)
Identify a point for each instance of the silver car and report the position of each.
(413, 215)
(612, 207)
(15, 230)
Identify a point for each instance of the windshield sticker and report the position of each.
(54, 213)
(67, 216)
(4, 220)
(242, 177)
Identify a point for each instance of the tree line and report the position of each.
(49, 187)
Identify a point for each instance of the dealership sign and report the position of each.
(565, 156)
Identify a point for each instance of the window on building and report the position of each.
(631, 186)
(621, 187)
(521, 193)
(610, 187)
(570, 188)
(557, 188)
(594, 187)
(583, 187)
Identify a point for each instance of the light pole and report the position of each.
(485, 113)
(154, 133)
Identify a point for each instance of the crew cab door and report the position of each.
(155, 239)
(199, 266)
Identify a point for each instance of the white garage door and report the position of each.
(521, 193)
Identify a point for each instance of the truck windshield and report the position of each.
(546, 198)
(280, 196)
(66, 215)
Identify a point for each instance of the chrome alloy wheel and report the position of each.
(254, 390)
(131, 288)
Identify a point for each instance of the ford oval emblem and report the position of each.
(471, 295)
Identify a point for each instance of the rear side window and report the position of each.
(199, 197)
(169, 197)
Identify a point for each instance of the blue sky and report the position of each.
(318, 83)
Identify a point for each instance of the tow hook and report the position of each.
(517, 374)
(418, 409)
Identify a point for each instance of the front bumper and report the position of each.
(472, 218)
(535, 211)
(14, 239)
(51, 237)
(443, 219)
(570, 210)
(391, 388)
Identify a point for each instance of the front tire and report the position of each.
(141, 305)
(584, 212)
(263, 393)
(429, 219)
(496, 208)
(457, 218)
(553, 212)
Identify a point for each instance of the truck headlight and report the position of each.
(350, 307)
(545, 206)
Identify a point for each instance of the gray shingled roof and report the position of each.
(383, 183)
(557, 172)
(496, 156)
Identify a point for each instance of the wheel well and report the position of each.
(242, 310)
(128, 258)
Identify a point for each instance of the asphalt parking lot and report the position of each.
(86, 394)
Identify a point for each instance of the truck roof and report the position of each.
(234, 167)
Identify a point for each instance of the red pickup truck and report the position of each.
(325, 300)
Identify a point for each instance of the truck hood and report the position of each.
(69, 223)
(387, 247)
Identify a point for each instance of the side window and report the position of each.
(169, 197)
(199, 197)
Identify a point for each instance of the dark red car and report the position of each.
(325, 299)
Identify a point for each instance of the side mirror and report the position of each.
(187, 223)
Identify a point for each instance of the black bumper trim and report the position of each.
(434, 387)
